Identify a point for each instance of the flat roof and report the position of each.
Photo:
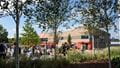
(115, 42)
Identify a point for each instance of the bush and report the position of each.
(116, 61)
(38, 63)
(73, 57)
(2, 63)
(115, 52)
(100, 56)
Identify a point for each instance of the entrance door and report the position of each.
(85, 46)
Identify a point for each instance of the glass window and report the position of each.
(44, 39)
(84, 36)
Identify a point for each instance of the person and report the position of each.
(16, 50)
(2, 51)
(33, 50)
(64, 47)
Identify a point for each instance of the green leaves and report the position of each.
(29, 37)
(3, 35)
(47, 13)
(98, 14)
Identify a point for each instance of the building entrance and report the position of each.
(85, 46)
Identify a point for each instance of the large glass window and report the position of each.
(84, 37)
(43, 39)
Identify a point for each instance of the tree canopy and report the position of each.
(48, 14)
(98, 13)
(3, 35)
(14, 8)
(29, 37)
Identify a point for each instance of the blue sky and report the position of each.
(9, 24)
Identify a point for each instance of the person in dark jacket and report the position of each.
(16, 50)
(2, 51)
(64, 47)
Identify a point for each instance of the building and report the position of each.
(115, 42)
(82, 38)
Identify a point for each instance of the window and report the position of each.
(85, 46)
(84, 36)
(44, 39)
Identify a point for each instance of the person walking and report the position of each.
(2, 51)
(64, 47)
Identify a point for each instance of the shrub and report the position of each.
(38, 63)
(2, 63)
(116, 61)
(73, 57)
(100, 56)
(115, 52)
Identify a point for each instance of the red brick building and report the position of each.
(82, 38)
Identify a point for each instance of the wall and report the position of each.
(100, 37)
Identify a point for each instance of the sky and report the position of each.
(9, 24)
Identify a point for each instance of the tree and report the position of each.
(117, 2)
(3, 35)
(29, 37)
(14, 8)
(69, 39)
(49, 14)
(11, 40)
(99, 14)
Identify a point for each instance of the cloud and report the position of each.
(12, 32)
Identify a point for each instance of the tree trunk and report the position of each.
(107, 29)
(109, 55)
(17, 45)
(55, 38)
(93, 44)
(17, 36)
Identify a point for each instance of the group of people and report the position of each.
(10, 50)
(37, 51)
(7, 50)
